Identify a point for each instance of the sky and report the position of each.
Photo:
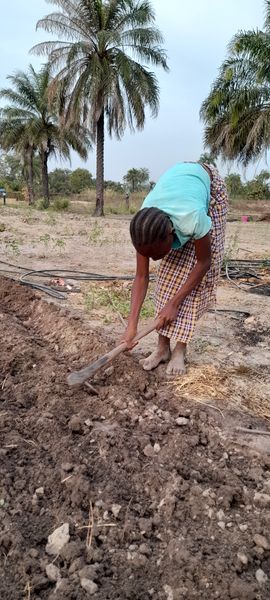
(196, 35)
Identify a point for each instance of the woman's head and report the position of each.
(152, 233)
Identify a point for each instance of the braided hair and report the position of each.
(149, 225)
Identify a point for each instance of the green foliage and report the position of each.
(60, 243)
(46, 238)
(136, 180)
(236, 113)
(208, 158)
(11, 172)
(257, 189)
(14, 247)
(80, 180)
(115, 186)
(115, 299)
(96, 233)
(30, 123)
(59, 181)
(234, 185)
(61, 204)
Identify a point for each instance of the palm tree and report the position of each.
(208, 158)
(34, 120)
(237, 110)
(14, 136)
(100, 61)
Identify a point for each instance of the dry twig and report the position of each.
(116, 309)
(97, 525)
(67, 478)
(27, 591)
(251, 431)
(90, 527)
(126, 517)
(91, 388)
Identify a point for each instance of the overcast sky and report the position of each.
(196, 36)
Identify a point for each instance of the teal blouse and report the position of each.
(183, 193)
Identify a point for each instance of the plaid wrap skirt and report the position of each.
(177, 265)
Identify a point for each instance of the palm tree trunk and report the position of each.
(99, 210)
(45, 178)
(30, 179)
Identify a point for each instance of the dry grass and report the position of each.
(226, 387)
(84, 203)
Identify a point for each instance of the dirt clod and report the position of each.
(262, 500)
(89, 586)
(261, 577)
(58, 539)
(261, 541)
(243, 591)
(75, 424)
(53, 573)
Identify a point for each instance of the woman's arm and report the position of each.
(204, 256)
(139, 290)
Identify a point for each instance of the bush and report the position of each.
(80, 180)
(60, 204)
(256, 190)
(40, 204)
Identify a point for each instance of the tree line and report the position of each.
(65, 181)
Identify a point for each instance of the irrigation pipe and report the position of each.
(24, 273)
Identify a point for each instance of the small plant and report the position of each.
(41, 205)
(232, 249)
(13, 245)
(61, 204)
(50, 220)
(59, 243)
(201, 345)
(68, 232)
(29, 217)
(95, 233)
(115, 300)
(46, 238)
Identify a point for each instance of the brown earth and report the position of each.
(156, 510)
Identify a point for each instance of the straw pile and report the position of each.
(240, 387)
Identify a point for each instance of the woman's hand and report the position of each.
(168, 314)
(129, 335)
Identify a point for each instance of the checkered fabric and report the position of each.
(177, 265)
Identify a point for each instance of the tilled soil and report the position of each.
(157, 504)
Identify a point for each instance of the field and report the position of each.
(159, 494)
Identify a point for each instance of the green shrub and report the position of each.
(40, 204)
(61, 204)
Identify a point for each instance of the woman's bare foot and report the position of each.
(161, 355)
(156, 358)
(176, 365)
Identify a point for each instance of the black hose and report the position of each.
(234, 266)
(76, 275)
